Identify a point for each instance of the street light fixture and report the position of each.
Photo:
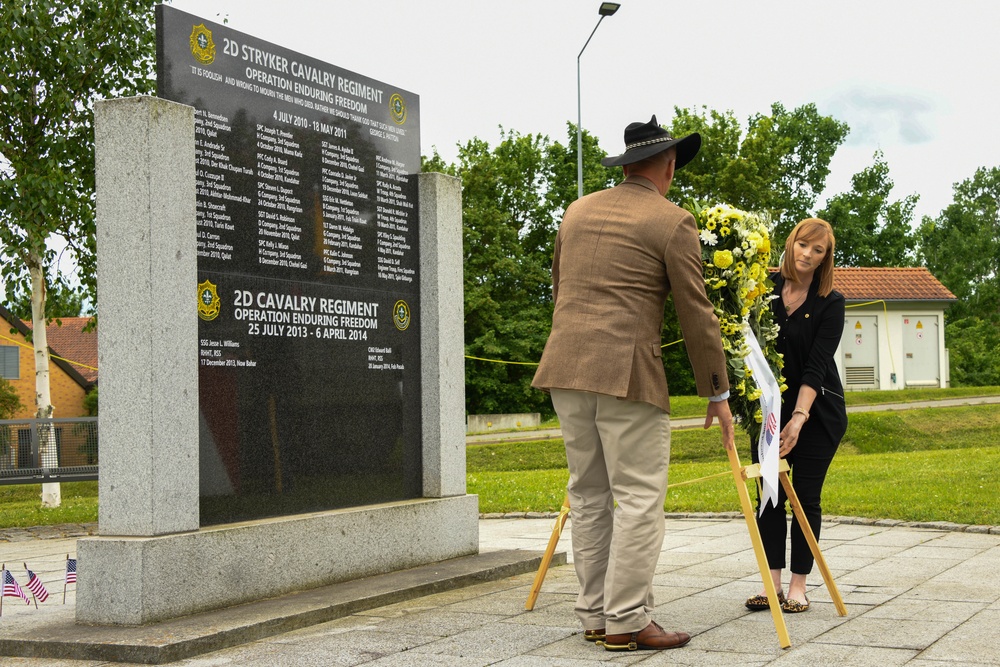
(606, 9)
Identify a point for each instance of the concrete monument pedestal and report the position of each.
(152, 560)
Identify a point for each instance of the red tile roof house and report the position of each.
(894, 328)
(71, 376)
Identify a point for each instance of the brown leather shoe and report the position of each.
(594, 635)
(650, 638)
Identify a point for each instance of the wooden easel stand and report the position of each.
(740, 476)
(543, 568)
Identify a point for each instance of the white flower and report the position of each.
(708, 238)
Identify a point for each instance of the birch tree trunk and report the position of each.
(51, 493)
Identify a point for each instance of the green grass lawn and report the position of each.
(930, 464)
(925, 464)
(20, 505)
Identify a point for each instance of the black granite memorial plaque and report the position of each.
(308, 275)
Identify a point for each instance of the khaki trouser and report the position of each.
(617, 451)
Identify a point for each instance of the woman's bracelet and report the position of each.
(802, 412)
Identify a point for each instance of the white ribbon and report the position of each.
(770, 408)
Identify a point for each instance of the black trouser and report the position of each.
(809, 460)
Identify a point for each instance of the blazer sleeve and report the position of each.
(555, 268)
(700, 326)
(829, 330)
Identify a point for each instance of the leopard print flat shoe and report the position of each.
(759, 602)
(794, 606)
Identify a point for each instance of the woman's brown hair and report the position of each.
(810, 230)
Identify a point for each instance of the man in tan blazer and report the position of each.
(618, 254)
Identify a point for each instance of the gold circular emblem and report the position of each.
(209, 303)
(401, 315)
(202, 46)
(397, 108)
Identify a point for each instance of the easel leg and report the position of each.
(543, 568)
(758, 548)
(800, 516)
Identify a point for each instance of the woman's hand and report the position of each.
(790, 434)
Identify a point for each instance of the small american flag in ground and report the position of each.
(70, 570)
(37, 588)
(12, 589)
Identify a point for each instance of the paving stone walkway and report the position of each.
(917, 596)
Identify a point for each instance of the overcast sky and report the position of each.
(914, 78)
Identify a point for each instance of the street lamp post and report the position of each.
(606, 9)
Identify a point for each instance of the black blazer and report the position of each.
(808, 339)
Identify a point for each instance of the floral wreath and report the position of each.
(735, 255)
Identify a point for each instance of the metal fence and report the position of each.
(48, 450)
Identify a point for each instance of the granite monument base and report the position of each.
(140, 580)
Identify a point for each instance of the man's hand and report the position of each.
(720, 409)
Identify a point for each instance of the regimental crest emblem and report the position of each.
(209, 303)
(202, 46)
(397, 109)
(401, 315)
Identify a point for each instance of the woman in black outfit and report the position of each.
(810, 315)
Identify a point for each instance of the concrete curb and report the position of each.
(682, 423)
(55, 532)
(62, 531)
(854, 520)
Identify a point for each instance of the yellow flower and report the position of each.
(710, 224)
(722, 259)
(758, 417)
(765, 247)
(755, 395)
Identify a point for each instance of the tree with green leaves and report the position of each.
(10, 402)
(10, 405)
(961, 247)
(90, 402)
(513, 197)
(61, 300)
(974, 351)
(57, 58)
(872, 230)
(778, 166)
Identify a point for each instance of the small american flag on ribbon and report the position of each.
(70, 570)
(36, 587)
(12, 589)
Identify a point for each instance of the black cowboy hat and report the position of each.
(645, 139)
